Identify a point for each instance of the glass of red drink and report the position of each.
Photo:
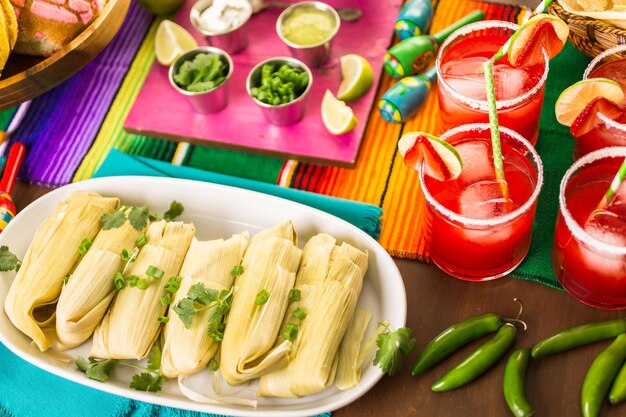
(461, 86)
(475, 233)
(589, 256)
(607, 131)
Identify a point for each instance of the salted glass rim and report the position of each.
(592, 67)
(577, 231)
(482, 104)
(499, 220)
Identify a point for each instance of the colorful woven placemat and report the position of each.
(379, 178)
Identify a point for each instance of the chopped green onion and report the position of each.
(126, 255)
(166, 299)
(262, 297)
(142, 284)
(84, 246)
(299, 313)
(66, 278)
(154, 272)
(237, 270)
(163, 319)
(119, 281)
(133, 280)
(213, 365)
(173, 284)
(290, 332)
(294, 294)
(141, 241)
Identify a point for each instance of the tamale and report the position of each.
(331, 307)
(52, 254)
(88, 293)
(269, 266)
(187, 351)
(131, 325)
(350, 352)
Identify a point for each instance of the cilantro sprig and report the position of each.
(198, 299)
(138, 217)
(8, 261)
(150, 379)
(392, 347)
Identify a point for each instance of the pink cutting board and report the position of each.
(160, 111)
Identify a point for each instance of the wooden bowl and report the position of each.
(590, 36)
(26, 77)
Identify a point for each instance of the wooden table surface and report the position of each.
(435, 301)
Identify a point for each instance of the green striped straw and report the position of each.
(615, 184)
(543, 5)
(495, 129)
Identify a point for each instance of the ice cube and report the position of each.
(477, 163)
(607, 226)
(510, 82)
(466, 77)
(483, 200)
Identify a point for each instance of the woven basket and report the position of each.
(590, 36)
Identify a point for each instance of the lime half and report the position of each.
(575, 98)
(357, 77)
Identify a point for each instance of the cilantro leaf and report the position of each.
(147, 382)
(175, 210)
(392, 347)
(202, 295)
(8, 261)
(113, 220)
(185, 310)
(154, 359)
(139, 217)
(98, 370)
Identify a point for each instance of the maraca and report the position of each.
(415, 54)
(405, 97)
(414, 18)
(7, 208)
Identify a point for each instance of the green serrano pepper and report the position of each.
(453, 338)
(514, 383)
(478, 362)
(618, 389)
(579, 336)
(600, 375)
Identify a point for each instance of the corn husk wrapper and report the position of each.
(615, 17)
(131, 325)
(51, 256)
(350, 354)
(270, 263)
(187, 351)
(89, 292)
(329, 298)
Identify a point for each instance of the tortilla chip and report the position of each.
(11, 21)
(5, 47)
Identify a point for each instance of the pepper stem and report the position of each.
(519, 314)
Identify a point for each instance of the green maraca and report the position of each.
(413, 55)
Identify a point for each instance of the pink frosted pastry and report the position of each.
(46, 25)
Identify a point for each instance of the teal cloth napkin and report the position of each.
(364, 216)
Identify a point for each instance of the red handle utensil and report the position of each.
(14, 162)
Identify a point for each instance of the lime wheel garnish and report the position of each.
(441, 160)
(574, 99)
(542, 32)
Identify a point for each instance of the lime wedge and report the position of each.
(441, 160)
(171, 42)
(542, 32)
(575, 98)
(357, 77)
(336, 115)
